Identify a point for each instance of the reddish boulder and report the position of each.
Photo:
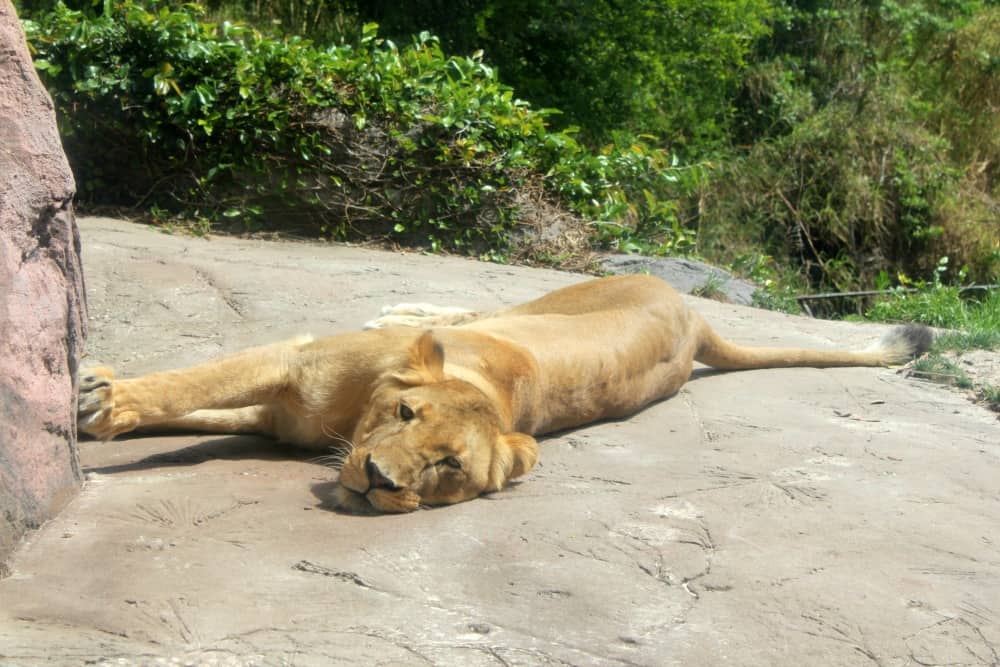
(42, 303)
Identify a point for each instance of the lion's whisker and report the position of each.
(327, 458)
(336, 436)
(340, 450)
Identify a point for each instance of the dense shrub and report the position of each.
(869, 143)
(162, 109)
(844, 140)
(666, 67)
(845, 195)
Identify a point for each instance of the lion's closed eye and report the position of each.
(451, 462)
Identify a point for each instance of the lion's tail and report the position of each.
(897, 346)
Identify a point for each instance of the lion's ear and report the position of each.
(426, 362)
(514, 454)
(428, 355)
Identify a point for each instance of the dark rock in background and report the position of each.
(685, 275)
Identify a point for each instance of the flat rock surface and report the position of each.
(687, 276)
(793, 517)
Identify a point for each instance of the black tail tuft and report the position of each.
(919, 336)
(908, 341)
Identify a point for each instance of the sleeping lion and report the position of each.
(443, 415)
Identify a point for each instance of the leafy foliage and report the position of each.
(665, 67)
(163, 109)
(859, 157)
(631, 191)
(833, 139)
(844, 197)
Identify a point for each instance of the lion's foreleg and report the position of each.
(253, 419)
(257, 376)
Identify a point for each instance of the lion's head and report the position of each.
(429, 439)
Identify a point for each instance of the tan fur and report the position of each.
(442, 416)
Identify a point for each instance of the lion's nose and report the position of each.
(376, 478)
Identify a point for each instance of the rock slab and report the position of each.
(836, 517)
(42, 303)
(686, 275)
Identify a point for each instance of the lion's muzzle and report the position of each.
(365, 486)
(376, 478)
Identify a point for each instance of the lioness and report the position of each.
(444, 415)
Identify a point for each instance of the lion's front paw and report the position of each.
(97, 413)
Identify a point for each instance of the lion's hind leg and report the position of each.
(421, 315)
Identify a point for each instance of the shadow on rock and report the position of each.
(230, 448)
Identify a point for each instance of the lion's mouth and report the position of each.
(365, 486)
(350, 501)
(375, 500)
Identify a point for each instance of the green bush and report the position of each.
(857, 123)
(161, 108)
(164, 110)
(665, 67)
(844, 195)
(841, 139)
(632, 191)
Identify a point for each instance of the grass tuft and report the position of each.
(973, 324)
